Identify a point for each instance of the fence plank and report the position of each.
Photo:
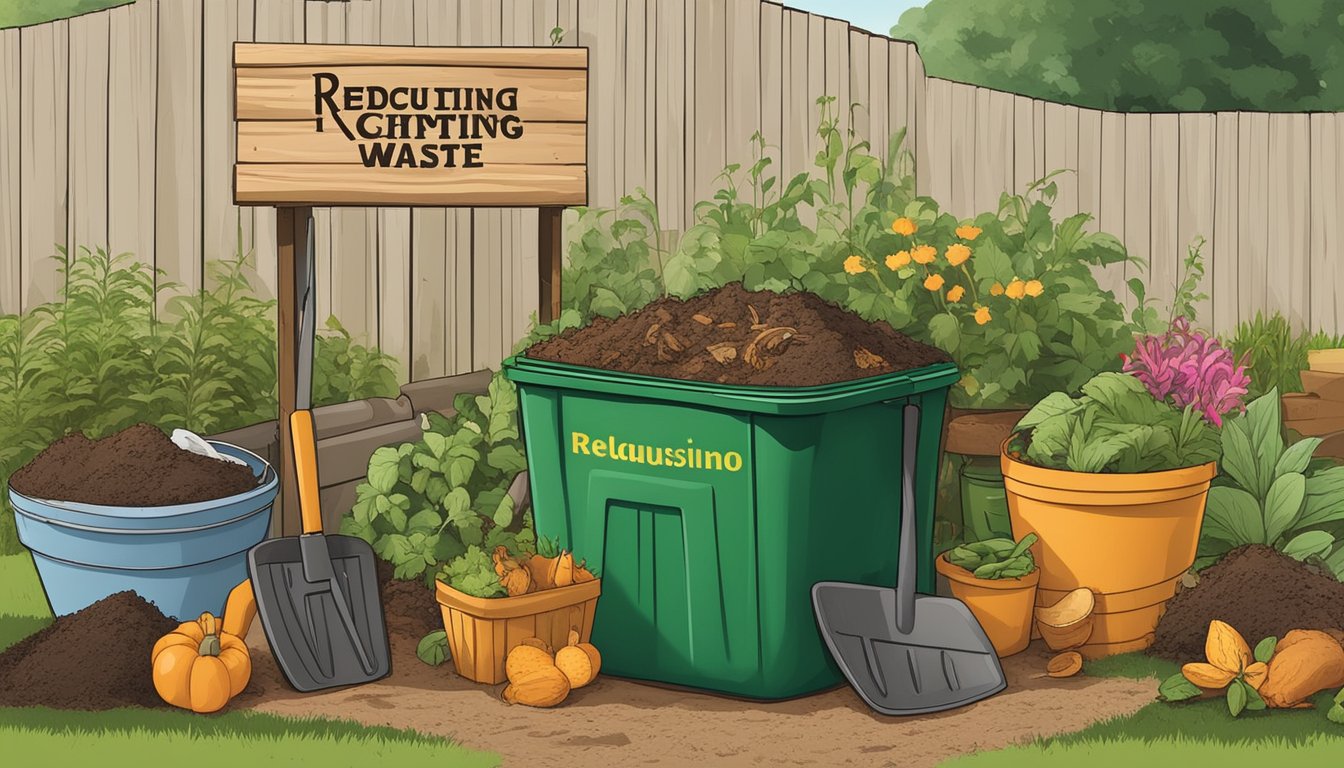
(1089, 165)
(880, 95)
(11, 151)
(1163, 205)
(131, 129)
(917, 111)
(742, 77)
(962, 129)
(598, 26)
(707, 127)
(1252, 208)
(1287, 289)
(1225, 273)
(177, 189)
(935, 180)
(44, 83)
(1025, 146)
(88, 130)
(856, 64)
(396, 26)
(1327, 274)
(670, 113)
(1138, 196)
(219, 217)
(993, 148)
(432, 253)
(837, 63)
(1195, 215)
(772, 76)
(638, 97)
(324, 22)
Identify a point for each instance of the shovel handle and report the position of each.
(304, 438)
(240, 609)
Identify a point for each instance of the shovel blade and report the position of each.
(944, 661)
(316, 643)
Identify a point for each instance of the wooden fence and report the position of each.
(115, 128)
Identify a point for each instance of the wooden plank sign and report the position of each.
(372, 125)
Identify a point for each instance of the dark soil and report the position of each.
(410, 607)
(93, 659)
(136, 467)
(1257, 590)
(792, 340)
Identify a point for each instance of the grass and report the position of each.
(22, 13)
(128, 736)
(1194, 733)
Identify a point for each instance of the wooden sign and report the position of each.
(372, 125)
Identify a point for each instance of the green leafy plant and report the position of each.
(1145, 316)
(426, 502)
(433, 648)
(1276, 354)
(101, 356)
(612, 254)
(1115, 425)
(1336, 713)
(1273, 493)
(995, 558)
(1009, 294)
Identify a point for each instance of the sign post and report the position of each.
(369, 125)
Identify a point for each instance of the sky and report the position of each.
(873, 15)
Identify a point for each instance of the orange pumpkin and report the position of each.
(200, 667)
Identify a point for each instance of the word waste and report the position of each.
(417, 126)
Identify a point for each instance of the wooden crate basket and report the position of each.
(482, 631)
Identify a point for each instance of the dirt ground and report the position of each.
(618, 722)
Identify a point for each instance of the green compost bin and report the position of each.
(712, 509)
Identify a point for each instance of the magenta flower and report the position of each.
(1187, 367)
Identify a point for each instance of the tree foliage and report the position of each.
(1141, 55)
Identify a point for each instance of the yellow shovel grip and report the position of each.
(304, 439)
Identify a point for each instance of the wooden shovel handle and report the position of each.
(304, 440)
(240, 609)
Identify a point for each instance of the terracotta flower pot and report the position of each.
(1002, 606)
(482, 631)
(1127, 537)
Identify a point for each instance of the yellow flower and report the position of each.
(933, 282)
(1034, 288)
(897, 260)
(903, 226)
(1016, 289)
(854, 265)
(955, 293)
(957, 254)
(924, 254)
(982, 316)
(996, 289)
(968, 232)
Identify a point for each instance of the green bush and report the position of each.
(440, 505)
(100, 357)
(1273, 493)
(1276, 353)
(1010, 294)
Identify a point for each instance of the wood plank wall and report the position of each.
(115, 130)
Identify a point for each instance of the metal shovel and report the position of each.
(904, 653)
(317, 595)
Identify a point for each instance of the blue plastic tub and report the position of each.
(183, 558)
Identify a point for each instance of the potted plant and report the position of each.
(493, 603)
(1114, 481)
(996, 579)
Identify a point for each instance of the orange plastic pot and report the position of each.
(1002, 606)
(1127, 537)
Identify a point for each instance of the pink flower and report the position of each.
(1187, 367)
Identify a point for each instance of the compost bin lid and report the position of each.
(163, 519)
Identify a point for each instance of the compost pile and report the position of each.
(136, 467)
(1258, 591)
(734, 336)
(96, 658)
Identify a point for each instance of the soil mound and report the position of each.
(734, 336)
(1256, 589)
(96, 658)
(136, 467)
(409, 606)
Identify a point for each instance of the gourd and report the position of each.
(200, 667)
